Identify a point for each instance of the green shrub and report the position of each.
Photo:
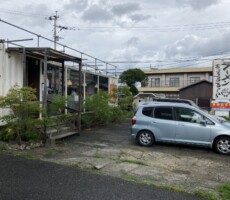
(24, 109)
(8, 134)
(99, 112)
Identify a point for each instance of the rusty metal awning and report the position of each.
(41, 52)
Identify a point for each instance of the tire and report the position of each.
(145, 138)
(222, 145)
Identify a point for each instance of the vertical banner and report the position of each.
(221, 79)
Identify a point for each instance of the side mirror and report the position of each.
(203, 122)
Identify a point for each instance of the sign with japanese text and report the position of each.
(221, 79)
(220, 105)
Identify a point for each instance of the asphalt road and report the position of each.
(24, 179)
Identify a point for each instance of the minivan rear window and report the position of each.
(163, 113)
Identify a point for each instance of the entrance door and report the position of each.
(33, 69)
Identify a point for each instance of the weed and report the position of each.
(206, 194)
(61, 150)
(26, 156)
(49, 154)
(3, 147)
(132, 178)
(172, 188)
(224, 191)
(97, 155)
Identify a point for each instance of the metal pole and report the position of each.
(106, 71)
(63, 78)
(55, 30)
(45, 82)
(38, 40)
(24, 68)
(80, 99)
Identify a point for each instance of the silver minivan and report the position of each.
(179, 123)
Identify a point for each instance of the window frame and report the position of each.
(173, 83)
(203, 116)
(150, 107)
(155, 82)
(194, 81)
(157, 107)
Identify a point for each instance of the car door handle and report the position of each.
(153, 122)
(181, 124)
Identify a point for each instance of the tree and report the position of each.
(131, 76)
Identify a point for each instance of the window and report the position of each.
(174, 82)
(163, 113)
(188, 115)
(147, 111)
(194, 80)
(155, 82)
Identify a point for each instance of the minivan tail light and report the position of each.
(134, 120)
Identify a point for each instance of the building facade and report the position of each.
(167, 82)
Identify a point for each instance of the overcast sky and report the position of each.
(159, 33)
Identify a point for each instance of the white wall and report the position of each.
(11, 70)
(11, 73)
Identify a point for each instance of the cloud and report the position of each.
(129, 53)
(139, 17)
(197, 4)
(96, 14)
(36, 20)
(78, 5)
(125, 8)
(132, 42)
(192, 45)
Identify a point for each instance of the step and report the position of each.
(63, 135)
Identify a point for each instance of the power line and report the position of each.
(54, 18)
(155, 28)
(22, 13)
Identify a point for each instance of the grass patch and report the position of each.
(206, 194)
(172, 188)
(224, 191)
(49, 154)
(3, 147)
(138, 162)
(97, 155)
(61, 150)
(26, 156)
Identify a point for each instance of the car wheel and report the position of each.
(145, 138)
(222, 145)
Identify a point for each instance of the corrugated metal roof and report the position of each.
(178, 70)
(40, 52)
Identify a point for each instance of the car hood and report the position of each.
(226, 124)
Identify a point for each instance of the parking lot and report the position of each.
(112, 151)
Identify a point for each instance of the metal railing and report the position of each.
(180, 83)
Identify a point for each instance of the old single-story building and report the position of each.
(49, 72)
(199, 92)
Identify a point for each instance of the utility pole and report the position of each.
(55, 36)
(55, 18)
